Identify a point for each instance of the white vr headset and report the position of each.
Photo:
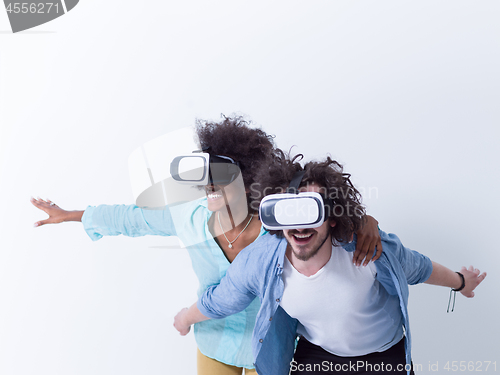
(292, 210)
(201, 168)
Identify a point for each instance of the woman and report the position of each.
(213, 231)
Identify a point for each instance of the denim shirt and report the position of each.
(256, 272)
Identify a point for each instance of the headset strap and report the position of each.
(293, 188)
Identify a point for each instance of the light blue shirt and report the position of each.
(256, 272)
(227, 340)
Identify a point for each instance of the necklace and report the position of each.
(224, 234)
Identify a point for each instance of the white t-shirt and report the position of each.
(342, 308)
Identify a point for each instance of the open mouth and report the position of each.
(302, 238)
(213, 194)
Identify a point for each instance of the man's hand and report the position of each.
(180, 322)
(473, 277)
(56, 214)
(368, 242)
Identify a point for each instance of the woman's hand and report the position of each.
(473, 277)
(56, 213)
(368, 242)
(180, 323)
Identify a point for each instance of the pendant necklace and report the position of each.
(231, 242)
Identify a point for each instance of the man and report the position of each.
(308, 285)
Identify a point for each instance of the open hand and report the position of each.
(56, 213)
(473, 277)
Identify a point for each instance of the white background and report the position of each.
(405, 94)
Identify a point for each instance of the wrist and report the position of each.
(185, 318)
(459, 283)
(73, 216)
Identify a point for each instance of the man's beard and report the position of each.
(305, 257)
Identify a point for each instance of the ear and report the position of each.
(332, 223)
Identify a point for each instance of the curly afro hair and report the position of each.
(233, 137)
(344, 200)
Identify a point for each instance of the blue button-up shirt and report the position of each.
(256, 272)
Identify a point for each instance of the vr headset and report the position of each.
(201, 168)
(292, 210)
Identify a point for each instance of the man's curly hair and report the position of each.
(251, 147)
(335, 186)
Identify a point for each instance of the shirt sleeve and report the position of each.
(416, 267)
(234, 293)
(129, 220)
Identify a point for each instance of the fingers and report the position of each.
(41, 204)
(474, 277)
(38, 203)
(360, 253)
(379, 249)
(480, 278)
(46, 206)
(474, 270)
(35, 202)
(369, 255)
(471, 295)
(368, 242)
(374, 245)
(41, 222)
(179, 323)
(365, 249)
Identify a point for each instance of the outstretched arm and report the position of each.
(445, 277)
(112, 220)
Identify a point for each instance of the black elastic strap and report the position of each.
(293, 188)
(463, 283)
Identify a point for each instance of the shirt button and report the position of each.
(271, 318)
(277, 299)
(261, 340)
(278, 265)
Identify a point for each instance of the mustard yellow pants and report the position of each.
(209, 366)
